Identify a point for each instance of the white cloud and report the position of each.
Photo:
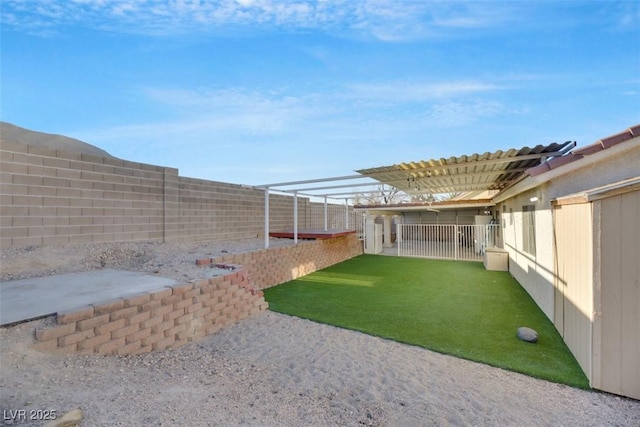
(459, 22)
(247, 112)
(365, 112)
(401, 92)
(459, 113)
(123, 9)
(619, 16)
(255, 112)
(383, 19)
(224, 122)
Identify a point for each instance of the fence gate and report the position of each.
(446, 241)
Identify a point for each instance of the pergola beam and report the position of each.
(305, 192)
(328, 187)
(310, 181)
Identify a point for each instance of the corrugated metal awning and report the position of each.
(488, 171)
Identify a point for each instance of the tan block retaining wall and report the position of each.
(271, 267)
(150, 321)
(180, 314)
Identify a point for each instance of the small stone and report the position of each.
(527, 334)
(70, 419)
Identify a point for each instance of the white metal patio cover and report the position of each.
(488, 171)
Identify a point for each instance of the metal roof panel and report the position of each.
(478, 171)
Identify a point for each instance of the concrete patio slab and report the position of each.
(27, 299)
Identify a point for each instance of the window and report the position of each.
(529, 229)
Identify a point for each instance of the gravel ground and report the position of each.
(271, 369)
(171, 260)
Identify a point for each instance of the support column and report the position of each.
(369, 234)
(326, 227)
(346, 214)
(373, 235)
(266, 218)
(386, 242)
(295, 217)
(399, 221)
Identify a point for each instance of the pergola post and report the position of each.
(387, 231)
(326, 227)
(346, 214)
(266, 218)
(295, 217)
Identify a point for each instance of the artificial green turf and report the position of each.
(452, 307)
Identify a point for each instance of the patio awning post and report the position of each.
(266, 218)
(295, 217)
(346, 214)
(326, 227)
(386, 222)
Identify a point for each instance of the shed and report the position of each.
(572, 231)
(597, 235)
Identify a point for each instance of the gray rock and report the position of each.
(70, 419)
(527, 334)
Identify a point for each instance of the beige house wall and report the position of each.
(535, 272)
(52, 197)
(625, 163)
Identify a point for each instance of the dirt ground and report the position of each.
(271, 369)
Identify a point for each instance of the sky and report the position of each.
(264, 91)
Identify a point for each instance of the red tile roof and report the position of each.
(578, 154)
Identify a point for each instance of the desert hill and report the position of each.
(16, 134)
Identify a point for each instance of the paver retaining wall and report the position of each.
(271, 267)
(158, 320)
(180, 314)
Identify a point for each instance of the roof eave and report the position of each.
(532, 181)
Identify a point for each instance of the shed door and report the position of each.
(620, 295)
(574, 283)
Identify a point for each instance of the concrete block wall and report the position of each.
(166, 318)
(271, 267)
(53, 197)
(221, 211)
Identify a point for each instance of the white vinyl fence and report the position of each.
(446, 241)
